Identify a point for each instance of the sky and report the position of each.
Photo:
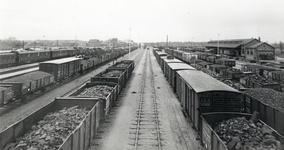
(142, 20)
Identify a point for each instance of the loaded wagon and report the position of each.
(227, 131)
(200, 93)
(117, 76)
(28, 83)
(127, 65)
(63, 124)
(269, 104)
(106, 91)
(61, 68)
(226, 62)
(6, 94)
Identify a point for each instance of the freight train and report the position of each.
(50, 72)
(212, 58)
(207, 101)
(14, 58)
(96, 98)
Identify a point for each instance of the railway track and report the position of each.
(145, 131)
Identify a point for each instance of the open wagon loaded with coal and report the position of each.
(29, 83)
(238, 131)
(117, 76)
(127, 65)
(270, 105)
(64, 123)
(105, 91)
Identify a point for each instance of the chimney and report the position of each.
(259, 39)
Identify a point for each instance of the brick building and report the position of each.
(251, 49)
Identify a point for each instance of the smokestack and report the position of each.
(259, 39)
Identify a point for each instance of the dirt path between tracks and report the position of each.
(176, 132)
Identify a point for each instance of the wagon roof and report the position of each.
(172, 60)
(161, 53)
(180, 66)
(61, 61)
(202, 82)
(28, 77)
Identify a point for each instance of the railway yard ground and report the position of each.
(146, 100)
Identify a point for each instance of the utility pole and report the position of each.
(167, 43)
(218, 52)
(113, 42)
(129, 42)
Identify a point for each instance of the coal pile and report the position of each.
(267, 96)
(242, 134)
(101, 91)
(122, 65)
(114, 73)
(50, 132)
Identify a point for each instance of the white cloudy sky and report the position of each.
(149, 20)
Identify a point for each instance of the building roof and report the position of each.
(201, 82)
(60, 61)
(180, 66)
(258, 44)
(232, 43)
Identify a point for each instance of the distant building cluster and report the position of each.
(250, 49)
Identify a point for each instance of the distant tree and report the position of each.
(16, 43)
(281, 46)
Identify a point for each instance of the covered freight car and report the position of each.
(200, 93)
(61, 68)
(171, 73)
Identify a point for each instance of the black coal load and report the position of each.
(101, 91)
(242, 134)
(50, 132)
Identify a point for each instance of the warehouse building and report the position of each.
(250, 49)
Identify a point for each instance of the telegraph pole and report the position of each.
(129, 42)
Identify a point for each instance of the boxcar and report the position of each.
(171, 75)
(200, 93)
(168, 61)
(6, 94)
(61, 68)
(80, 138)
(159, 55)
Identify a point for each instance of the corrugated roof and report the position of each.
(180, 66)
(201, 82)
(61, 61)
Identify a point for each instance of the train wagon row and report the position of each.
(24, 57)
(69, 122)
(50, 72)
(207, 101)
